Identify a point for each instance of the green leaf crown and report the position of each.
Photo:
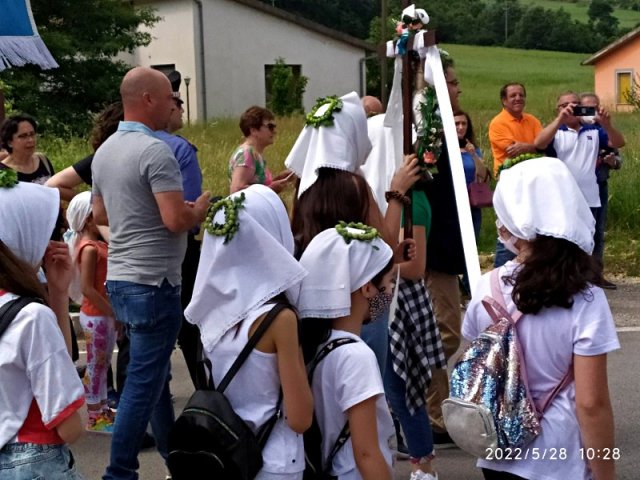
(357, 231)
(231, 223)
(321, 115)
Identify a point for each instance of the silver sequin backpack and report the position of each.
(489, 405)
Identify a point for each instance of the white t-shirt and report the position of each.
(35, 364)
(254, 392)
(347, 376)
(549, 339)
(579, 152)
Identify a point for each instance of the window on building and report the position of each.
(268, 79)
(624, 84)
(166, 68)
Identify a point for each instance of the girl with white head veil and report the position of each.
(41, 391)
(246, 266)
(89, 254)
(327, 157)
(567, 325)
(350, 282)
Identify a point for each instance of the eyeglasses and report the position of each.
(271, 126)
(24, 136)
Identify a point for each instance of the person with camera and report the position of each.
(577, 143)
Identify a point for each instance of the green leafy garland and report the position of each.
(430, 130)
(357, 231)
(325, 119)
(510, 162)
(8, 178)
(231, 218)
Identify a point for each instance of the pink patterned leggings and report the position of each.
(100, 337)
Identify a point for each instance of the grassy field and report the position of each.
(482, 71)
(578, 11)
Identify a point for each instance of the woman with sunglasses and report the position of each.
(18, 138)
(247, 165)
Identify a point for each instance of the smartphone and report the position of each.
(582, 111)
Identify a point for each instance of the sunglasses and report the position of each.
(270, 126)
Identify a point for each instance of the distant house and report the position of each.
(227, 47)
(616, 66)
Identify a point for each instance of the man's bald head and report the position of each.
(147, 97)
(372, 106)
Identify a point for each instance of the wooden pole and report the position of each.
(407, 125)
(383, 57)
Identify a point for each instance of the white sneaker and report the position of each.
(420, 475)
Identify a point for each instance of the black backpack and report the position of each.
(209, 438)
(10, 309)
(315, 468)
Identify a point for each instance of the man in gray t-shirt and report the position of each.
(137, 190)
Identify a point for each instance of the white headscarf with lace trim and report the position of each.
(336, 269)
(253, 267)
(343, 145)
(28, 213)
(541, 197)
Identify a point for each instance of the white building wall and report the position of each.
(174, 42)
(240, 41)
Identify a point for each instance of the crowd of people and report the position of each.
(154, 261)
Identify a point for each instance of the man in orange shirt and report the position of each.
(511, 133)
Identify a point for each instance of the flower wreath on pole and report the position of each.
(430, 130)
(231, 223)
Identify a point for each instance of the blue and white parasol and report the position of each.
(19, 40)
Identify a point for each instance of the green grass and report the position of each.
(578, 11)
(482, 71)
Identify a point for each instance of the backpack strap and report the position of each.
(566, 380)
(251, 344)
(345, 433)
(497, 302)
(10, 309)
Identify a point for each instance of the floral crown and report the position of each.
(8, 178)
(231, 223)
(357, 231)
(321, 115)
(510, 162)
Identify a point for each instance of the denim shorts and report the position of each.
(31, 461)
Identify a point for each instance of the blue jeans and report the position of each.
(502, 255)
(152, 317)
(28, 461)
(416, 427)
(376, 335)
(600, 214)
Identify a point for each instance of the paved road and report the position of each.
(92, 451)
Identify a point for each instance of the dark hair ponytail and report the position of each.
(555, 271)
(18, 277)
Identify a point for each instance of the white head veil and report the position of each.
(78, 212)
(254, 266)
(343, 145)
(541, 197)
(28, 214)
(336, 269)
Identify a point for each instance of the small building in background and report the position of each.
(617, 67)
(224, 50)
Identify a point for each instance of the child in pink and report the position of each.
(96, 316)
